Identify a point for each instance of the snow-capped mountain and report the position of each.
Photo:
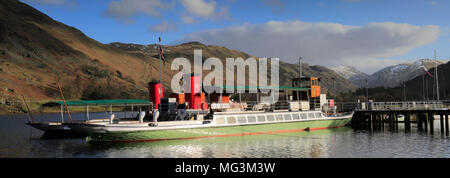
(347, 71)
(390, 76)
(350, 73)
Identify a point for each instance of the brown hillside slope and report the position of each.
(287, 71)
(34, 49)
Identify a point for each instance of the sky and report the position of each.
(365, 34)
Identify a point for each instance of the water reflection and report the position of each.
(299, 144)
(19, 140)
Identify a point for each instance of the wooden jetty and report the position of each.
(379, 114)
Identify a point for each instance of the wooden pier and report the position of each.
(381, 115)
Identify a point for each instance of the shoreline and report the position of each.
(36, 107)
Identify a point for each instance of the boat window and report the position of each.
(220, 120)
(251, 119)
(303, 116)
(287, 117)
(295, 116)
(261, 118)
(318, 115)
(231, 120)
(270, 118)
(242, 119)
(279, 117)
(311, 115)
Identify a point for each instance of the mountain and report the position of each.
(390, 76)
(350, 73)
(419, 88)
(393, 76)
(287, 71)
(35, 50)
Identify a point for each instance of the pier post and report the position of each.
(426, 121)
(431, 121)
(441, 122)
(419, 122)
(391, 120)
(407, 123)
(376, 122)
(446, 123)
(396, 121)
(363, 121)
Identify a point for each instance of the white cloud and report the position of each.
(123, 10)
(163, 27)
(327, 44)
(201, 9)
(193, 12)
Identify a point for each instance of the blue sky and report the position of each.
(368, 34)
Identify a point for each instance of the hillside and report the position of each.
(35, 50)
(353, 75)
(415, 89)
(391, 76)
(287, 71)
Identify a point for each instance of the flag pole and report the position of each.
(160, 61)
(436, 75)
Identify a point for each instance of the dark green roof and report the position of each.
(99, 102)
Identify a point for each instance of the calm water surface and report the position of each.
(20, 140)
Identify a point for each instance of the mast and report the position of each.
(436, 74)
(62, 96)
(300, 70)
(160, 61)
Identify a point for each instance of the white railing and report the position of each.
(410, 105)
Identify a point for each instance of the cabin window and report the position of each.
(220, 120)
(261, 118)
(287, 117)
(303, 116)
(279, 117)
(318, 115)
(311, 115)
(306, 83)
(231, 120)
(251, 119)
(295, 116)
(270, 118)
(242, 119)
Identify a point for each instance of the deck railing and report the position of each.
(410, 105)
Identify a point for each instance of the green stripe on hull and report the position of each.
(216, 131)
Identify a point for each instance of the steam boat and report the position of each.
(199, 115)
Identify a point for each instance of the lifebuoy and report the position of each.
(204, 106)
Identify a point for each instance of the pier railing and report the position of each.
(410, 105)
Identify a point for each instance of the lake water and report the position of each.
(19, 140)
